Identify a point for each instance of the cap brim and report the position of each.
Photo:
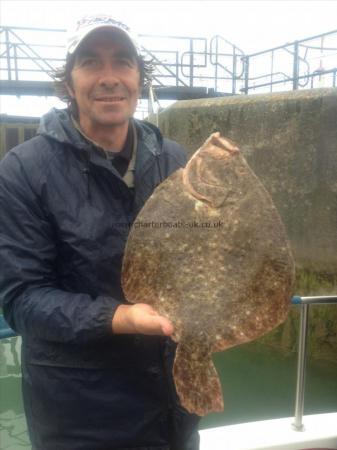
(75, 41)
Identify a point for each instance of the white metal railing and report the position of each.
(304, 303)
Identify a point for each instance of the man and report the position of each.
(96, 371)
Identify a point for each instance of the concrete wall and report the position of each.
(290, 141)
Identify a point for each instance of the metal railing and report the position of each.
(304, 303)
(234, 71)
(306, 63)
(23, 52)
(215, 66)
(178, 61)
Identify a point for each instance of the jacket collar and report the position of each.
(58, 125)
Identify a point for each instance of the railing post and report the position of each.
(191, 62)
(246, 72)
(216, 64)
(300, 384)
(272, 71)
(16, 63)
(295, 66)
(8, 48)
(234, 72)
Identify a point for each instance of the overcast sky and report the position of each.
(251, 25)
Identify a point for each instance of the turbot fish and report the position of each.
(209, 251)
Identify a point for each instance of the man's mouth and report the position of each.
(108, 98)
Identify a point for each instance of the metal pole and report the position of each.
(191, 62)
(216, 63)
(302, 350)
(151, 100)
(234, 72)
(295, 66)
(8, 48)
(16, 64)
(246, 63)
(272, 71)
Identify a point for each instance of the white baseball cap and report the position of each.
(88, 24)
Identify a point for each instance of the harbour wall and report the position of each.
(290, 141)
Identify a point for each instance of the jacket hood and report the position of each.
(57, 125)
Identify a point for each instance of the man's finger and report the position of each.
(166, 327)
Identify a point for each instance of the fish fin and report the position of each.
(196, 380)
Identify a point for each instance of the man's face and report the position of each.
(105, 80)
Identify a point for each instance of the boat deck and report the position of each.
(320, 432)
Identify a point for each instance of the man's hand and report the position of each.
(140, 318)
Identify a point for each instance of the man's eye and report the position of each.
(89, 62)
(125, 62)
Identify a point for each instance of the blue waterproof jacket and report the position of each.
(65, 216)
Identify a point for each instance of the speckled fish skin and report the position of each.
(219, 285)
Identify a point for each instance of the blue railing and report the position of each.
(5, 329)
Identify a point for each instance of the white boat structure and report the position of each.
(310, 432)
(319, 432)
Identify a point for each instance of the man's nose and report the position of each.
(108, 77)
